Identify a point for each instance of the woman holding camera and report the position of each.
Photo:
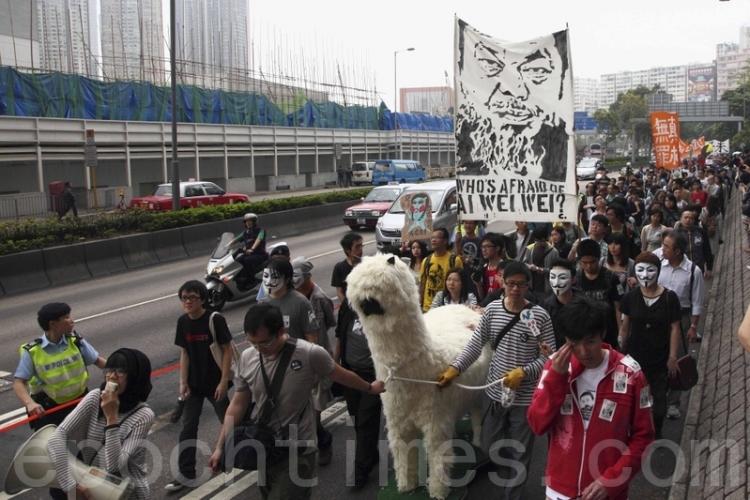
(112, 422)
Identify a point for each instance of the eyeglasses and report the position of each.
(263, 345)
(516, 284)
(489, 246)
(190, 298)
(120, 372)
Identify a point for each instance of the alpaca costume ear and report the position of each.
(392, 260)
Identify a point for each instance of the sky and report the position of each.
(606, 36)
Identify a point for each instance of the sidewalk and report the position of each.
(713, 464)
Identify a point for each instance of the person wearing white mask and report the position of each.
(299, 318)
(650, 330)
(562, 277)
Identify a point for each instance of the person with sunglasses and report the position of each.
(200, 376)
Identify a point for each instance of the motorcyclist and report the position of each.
(254, 248)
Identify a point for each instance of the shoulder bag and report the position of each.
(254, 443)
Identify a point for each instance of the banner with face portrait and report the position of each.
(514, 127)
(417, 209)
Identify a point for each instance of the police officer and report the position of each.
(52, 369)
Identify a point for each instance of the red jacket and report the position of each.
(618, 440)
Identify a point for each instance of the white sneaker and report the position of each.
(174, 486)
(673, 412)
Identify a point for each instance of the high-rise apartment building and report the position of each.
(132, 40)
(67, 37)
(19, 46)
(586, 94)
(732, 60)
(433, 100)
(672, 79)
(212, 42)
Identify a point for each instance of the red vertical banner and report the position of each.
(665, 137)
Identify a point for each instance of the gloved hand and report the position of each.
(447, 376)
(514, 378)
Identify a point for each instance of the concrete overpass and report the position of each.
(135, 156)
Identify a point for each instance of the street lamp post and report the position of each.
(173, 72)
(395, 92)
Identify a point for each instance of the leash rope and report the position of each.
(391, 376)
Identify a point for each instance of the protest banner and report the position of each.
(417, 209)
(514, 128)
(665, 137)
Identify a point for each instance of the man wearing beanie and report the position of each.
(521, 337)
(52, 369)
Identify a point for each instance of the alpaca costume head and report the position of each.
(379, 286)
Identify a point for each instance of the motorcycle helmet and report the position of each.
(249, 216)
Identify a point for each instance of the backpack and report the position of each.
(216, 348)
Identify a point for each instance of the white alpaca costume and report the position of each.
(382, 291)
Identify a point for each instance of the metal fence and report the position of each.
(16, 206)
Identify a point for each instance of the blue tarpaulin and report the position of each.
(58, 95)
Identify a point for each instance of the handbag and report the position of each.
(254, 443)
(687, 368)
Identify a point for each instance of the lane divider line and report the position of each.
(173, 295)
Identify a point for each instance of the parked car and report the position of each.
(192, 194)
(362, 172)
(443, 200)
(401, 171)
(373, 206)
(586, 168)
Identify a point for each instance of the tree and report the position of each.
(739, 105)
(628, 114)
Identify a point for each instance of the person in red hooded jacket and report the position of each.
(595, 404)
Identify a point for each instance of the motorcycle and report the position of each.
(224, 277)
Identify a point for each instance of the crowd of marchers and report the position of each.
(587, 321)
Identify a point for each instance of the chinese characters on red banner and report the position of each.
(665, 134)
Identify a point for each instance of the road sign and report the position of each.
(89, 152)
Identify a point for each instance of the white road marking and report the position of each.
(173, 295)
(212, 485)
(331, 415)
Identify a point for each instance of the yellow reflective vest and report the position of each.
(61, 376)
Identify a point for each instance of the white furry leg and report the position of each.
(439, 449)
(405, 451)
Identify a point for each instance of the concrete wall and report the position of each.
(18, 177)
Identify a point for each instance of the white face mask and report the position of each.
(271, 280)
(646, 274)
(298, 278)
(560, 280)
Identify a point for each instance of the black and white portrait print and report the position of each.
(514, 108)
(515, 151)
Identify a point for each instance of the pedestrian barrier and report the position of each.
(65, 264)
(137, 251)
(37, 269)
(104, 257)
(23, 272)
(167, 245)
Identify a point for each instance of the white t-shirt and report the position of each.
(586, 384)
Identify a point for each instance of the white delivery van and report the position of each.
(362, 172)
